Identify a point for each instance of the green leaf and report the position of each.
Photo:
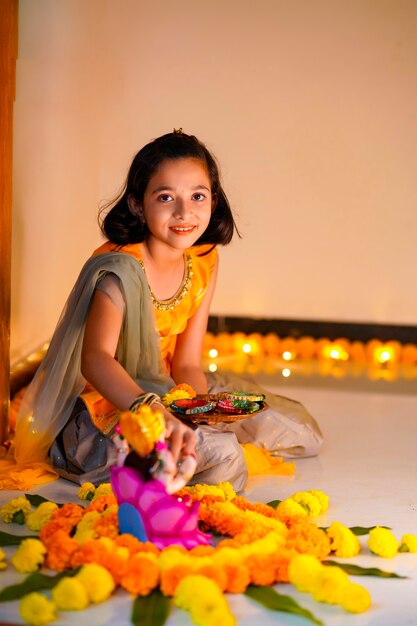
(36, 500)
(13, 540)
(357, 570)
(271, 599)
(362, 530)
(274, 503)
(152, 610)
(34, 582)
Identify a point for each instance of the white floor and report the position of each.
(369, 469)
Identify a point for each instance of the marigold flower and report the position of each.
(238, 578)
(107, 525)
(101, 503)
(15, 510)
(355, 598)
(184, 387)
(134, 545)
(171, 396)
(141, 574)
(36, 519)
(303, 572)
(37, 610)
(3, 562)
(60, 548)
(206, 603)
(289, 508)
(53, 526)
(408, 543)
(70, 595)
(85, 527)
(343, 542)
(330, 585)
(171, 578)
(70, 512)
(322, 498)
(86, 491)
(261, 569)
(29, 556)
(308, 501)
(103, 490)
(97, 581)
(382, 542)
(306, 537)
(210, 570)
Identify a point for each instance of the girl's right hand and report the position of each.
(181, 438)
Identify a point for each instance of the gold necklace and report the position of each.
(171, 303)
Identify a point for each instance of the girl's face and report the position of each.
(177, 203)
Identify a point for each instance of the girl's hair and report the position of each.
(121, 226)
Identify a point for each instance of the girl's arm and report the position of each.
(186, 362)
(111, 380)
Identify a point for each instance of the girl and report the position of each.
(157, 269)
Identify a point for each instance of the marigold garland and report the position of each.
(261, 546)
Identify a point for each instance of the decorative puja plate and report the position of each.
(193, 411)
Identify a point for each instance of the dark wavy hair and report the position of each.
(121, 226)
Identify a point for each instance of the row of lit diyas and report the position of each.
(255, 352)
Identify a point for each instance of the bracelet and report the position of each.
(144, 399)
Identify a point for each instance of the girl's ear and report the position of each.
(135, 208)
(214, 201)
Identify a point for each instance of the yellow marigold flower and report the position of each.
(3, 562)
(29, 556)
(227, 488)
(408, 543)
(202, 597)
(170, 558)
(197, 492)
(291, 508)
(343, 542)
(382, 542)
(309, 502)
(322, 498)
(15, 510)
(303, 572)
(178, 394)
(355, 598)
(36, 519)
(85, 527)
(37, 610)
(103, 490)
(97, 581)
(86, 491)
(330, 585)
(70, 595)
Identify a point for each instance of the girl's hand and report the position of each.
(181, 438)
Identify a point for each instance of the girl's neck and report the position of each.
(160, 255)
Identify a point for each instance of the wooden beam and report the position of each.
(8, 56)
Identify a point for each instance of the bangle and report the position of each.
(144, 399)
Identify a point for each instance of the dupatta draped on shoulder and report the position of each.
(50, 398)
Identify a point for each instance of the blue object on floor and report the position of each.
(130, 521)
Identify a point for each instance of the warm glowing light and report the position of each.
(384, 356)
(212, 367)
(286, 372)
(287, 356)
(213, 353)
(335, 352)
(247, 348)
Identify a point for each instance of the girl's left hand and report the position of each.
(181, 438)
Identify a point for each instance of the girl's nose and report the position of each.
(182, 209)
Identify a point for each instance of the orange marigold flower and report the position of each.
(49, 529)
(108, 526)
(171, 578)
(69, 511)
(184, 387)
(307, 537)
(282, 561)
(214, 572)
(141, 574)
(92, 551)
(134, 545)
(258, 507)
(228, 543)
(101, 503)
(238, 578)
(208, 499)
(261, 569)
(60, 548)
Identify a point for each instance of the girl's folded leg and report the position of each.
(220, 458)
(285, 428)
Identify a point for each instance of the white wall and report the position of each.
(309, 105)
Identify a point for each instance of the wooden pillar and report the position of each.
(8, 56)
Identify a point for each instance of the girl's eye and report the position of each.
(165, 197)
(198, 196)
